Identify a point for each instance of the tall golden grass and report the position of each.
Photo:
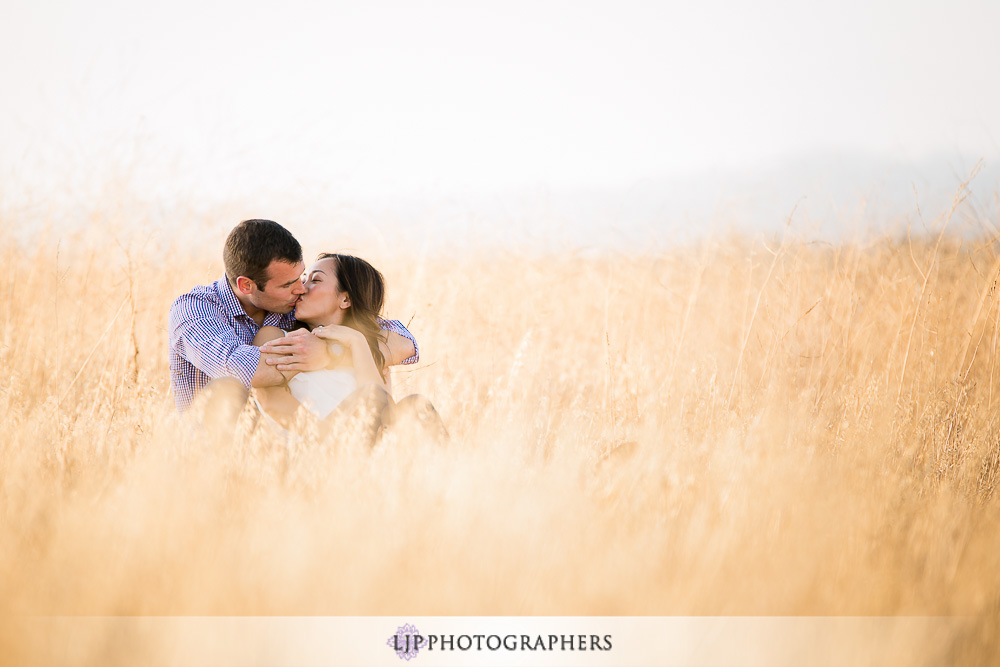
(734, 427)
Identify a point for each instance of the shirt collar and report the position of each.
(230, 303)
(234, 308)
(279, 320)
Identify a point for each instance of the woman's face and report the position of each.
(323, 302)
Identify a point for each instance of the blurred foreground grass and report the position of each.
(731, 428)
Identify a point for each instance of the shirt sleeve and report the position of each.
(397, 327)
(201, 333)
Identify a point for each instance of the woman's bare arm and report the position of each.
(365, 370)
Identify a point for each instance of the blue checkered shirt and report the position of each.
(211, 335)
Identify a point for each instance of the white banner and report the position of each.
(424, 641)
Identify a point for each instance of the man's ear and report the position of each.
(244, 284)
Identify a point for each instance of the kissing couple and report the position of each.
(311, 346)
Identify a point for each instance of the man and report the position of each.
(211, 328)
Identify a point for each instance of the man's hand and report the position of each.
(298, 351)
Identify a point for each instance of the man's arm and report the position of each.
(400, 347)
(202, 334)
(299, 351)
(309, 353)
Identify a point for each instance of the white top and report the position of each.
(320, 392)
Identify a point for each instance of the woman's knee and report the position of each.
(369, 400)
(361, 416)
(416, 404)
(418, 413)
(375, 397)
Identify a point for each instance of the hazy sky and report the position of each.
(368, 98)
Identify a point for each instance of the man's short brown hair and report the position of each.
(253, 245)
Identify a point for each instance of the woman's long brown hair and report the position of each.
(366, 288)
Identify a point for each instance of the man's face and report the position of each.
(282, 290)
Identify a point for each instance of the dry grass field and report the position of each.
(737, 427)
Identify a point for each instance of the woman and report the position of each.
(343, 299)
